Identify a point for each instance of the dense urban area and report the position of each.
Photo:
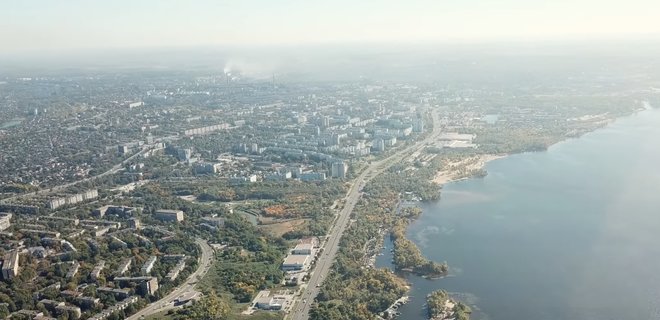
(163, 194)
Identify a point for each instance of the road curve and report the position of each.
(164, 303)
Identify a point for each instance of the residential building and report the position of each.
(118, 293)
(148, 265)
(174, 273)
(5, 220)
(10, 265)
(169, 215)
(205, 167)
(134, 223)
(124, 266)
(378, 145)
(312, 176)
(214, 221)
(96, 272)
(73, 270)
(72, 311)
(147, 285)
(339, 169)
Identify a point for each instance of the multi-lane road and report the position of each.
(185, 288)
(331, 245)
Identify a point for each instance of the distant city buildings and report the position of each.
(123, 149)
(205, 167)
(278, 176)
(243, 179)
(339, 169)
(136, 104)
(206, 130)
(378, 145)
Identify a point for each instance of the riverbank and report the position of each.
(454, 170)
(486, 227)
(407, 256)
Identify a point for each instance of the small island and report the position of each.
(441, 307)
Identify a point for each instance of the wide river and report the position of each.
(571, 233)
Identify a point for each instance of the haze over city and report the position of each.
(322, 160)
(77, 24)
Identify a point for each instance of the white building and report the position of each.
(148, 265)
(303, 249)
(295, 262)
(10, 265)
(265, 301)
(5, 220)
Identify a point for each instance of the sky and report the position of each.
(60, 25)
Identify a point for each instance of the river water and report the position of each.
(571, 233)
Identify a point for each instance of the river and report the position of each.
(571, 233)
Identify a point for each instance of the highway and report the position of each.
(188, 286)
(331, 246)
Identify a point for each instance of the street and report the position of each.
(301, 310)
(165, 303)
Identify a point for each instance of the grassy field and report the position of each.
(277, 229)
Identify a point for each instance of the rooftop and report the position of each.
(295, 259)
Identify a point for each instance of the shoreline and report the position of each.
(464, 169)
(474, 166)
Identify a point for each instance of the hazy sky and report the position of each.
(34, 25)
